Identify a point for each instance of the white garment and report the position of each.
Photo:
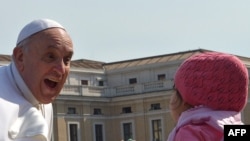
(20, 120)
(30, 124)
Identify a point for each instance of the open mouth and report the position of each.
(51, 83)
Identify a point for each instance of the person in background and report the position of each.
(34, 78)
(211, 89)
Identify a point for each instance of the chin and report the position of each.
(46, 101)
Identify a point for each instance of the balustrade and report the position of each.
(82, 90)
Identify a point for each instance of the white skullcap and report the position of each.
(36, 26)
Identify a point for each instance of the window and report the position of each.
(127, 131)
(97, 111)
(126, 110)
(161, 77)
(73, 132)
(100, 83)
(155, 106)
(156, 130)
(71, 110)
(84, 82)
(98, 132)
(132, 81)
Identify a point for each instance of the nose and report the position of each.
(60, 67)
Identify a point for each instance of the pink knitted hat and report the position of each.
(217, 80)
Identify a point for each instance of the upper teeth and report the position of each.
(51, 79)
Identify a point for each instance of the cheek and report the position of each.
(173, 102)
(66, 74)
(174, 115)
(35, 76)
(175, 107)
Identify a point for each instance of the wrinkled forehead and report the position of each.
(48, 36)
(51, 38)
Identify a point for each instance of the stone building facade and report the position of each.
(119, 101)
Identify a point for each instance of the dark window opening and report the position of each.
(84, 82)
(155, 106)
(126, 110)
(161, 77)
(100, 83)
(97, 111)
(73, 132)
(71, 110)
(127, 131)
(98, 132)
(156, 130)
(132, 81)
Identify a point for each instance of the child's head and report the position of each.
(215, 80)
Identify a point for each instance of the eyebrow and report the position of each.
(70, 50)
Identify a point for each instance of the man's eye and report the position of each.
(52, 56)
(66, 61)
(49, 57)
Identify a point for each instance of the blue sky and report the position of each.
(116, 30)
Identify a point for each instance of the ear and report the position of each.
(18, 58)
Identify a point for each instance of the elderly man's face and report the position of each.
(45, 64)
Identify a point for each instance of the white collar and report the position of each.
(21, 85)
